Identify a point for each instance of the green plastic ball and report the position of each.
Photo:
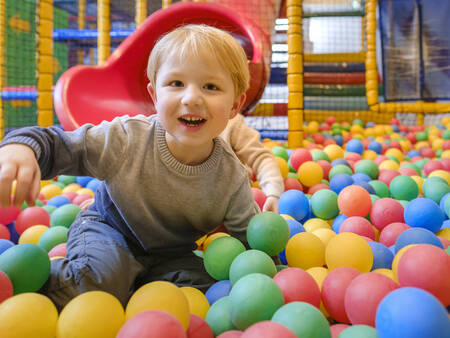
(218, 316)
(52, 237)
(435, 190)
(358, 331)
(64, 215)
(381, 189)
(66, 180)
(251, 261)
(268, 232)
(404, 188)
(27, 266)
(280, 152)
(318, 154)
(324, 204)
(220, 254)
(412, 166)
(340, 169)
(367, 167)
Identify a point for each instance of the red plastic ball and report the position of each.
(299, 156)
(407, 171)
(329, 141)
(432, 165)
(317, 187)
(330, 120)
(58, 250)
(395, 144)
(363, 296)
(390, 232)
(318, 138)
(446, 163)
(152, 324)
(353, 157)
(298, 286)
(259, 196)
(326, 167)
(81, 198)
(394, 121)
(32, 216)
(386, 176)
(4, 232)
(358, 225)
(446, 145)
(427, 152)
(70, 195)
(6, 287)
(354, 200)
(268, 329)
(198, 328)
(386, 211)
(8, 215)
(380, 158)
(427, 267)
(336, 329)
(291, 183)
(333, 291)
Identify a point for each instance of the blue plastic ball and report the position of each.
(93, 184)
(58, 201)
(417, 236)
(294, 203)
(339, 139)
(218, 290)
(424, 213)
(361, 177)
(340, 161)
(14, 236)
(340, 181)
(366, 186)
(355, 146)
(5, 245)
(442, 204)
(413, 153)
(411, 313)
(382, 256)
(336, 225)
(375, 146)
(294, 227)
(83, 180)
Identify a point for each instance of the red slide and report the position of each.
(91, 94)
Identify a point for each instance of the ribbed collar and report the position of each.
(184, 169)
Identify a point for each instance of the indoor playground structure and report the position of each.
(353, 99)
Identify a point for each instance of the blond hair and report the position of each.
(190, 39)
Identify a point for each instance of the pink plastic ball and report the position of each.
(386, 211)
(32, 216)
(268, 329)
(8, 215)
(259, 196)
(81, 198)
(152, 324)
(291, 183)
(298, 286)
(363, 296)
(390, 232)
(6, 287)
(299, 156)
(231, 334)
(4, 232)
(446, 163)
(315, 188)
(407, 171)
(333, 291)
(431, 166)
(70, 195)
(58, 250)
(336, 329)
(199, 328)
(358, 225)
(386, 176)
(326, 167)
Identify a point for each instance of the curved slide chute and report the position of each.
(91, 94)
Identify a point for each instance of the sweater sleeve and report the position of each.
(245, 142)
(88, 151)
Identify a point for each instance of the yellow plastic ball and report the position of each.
(310, 173)
(349, 249)
(305, 250)
(377, 233)
(286, 217)
(386, 272)
(437, 144)
(444, 233)
(160, 295)
(397, 153)
(445, 120)
(32, 234)
(85, 191)
(356, 129)
(313, 127)
(30, 315)
(319, 273)
(51, 190)
(389, 164)
(283, 165)
(334, 151)
(369, 155)
(397, 258)
(212, 237)
(325, 235)
(405, 144)
(72, 187)
(445, 154)
(270, 144)
(421, 144)
(45, 182)
(198, 303)
(419, 181)
(315, 223)
(93, 314)
(442, 174)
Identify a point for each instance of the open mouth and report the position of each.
(191, 121)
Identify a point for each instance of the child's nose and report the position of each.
(191, 96)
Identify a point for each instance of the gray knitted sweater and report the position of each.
(147, 194)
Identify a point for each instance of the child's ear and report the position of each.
(237, 105)
(151, 91)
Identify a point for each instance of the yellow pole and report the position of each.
(141, 12)
(295, 73)
(2, 66)
(166, 3)
(81, 25)
(104, 26)
(45, 63)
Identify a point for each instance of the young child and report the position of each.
(167, 178)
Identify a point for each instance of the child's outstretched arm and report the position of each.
(18, 162)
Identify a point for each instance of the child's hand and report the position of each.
(271, 204)
(86, 204)
(18, 162)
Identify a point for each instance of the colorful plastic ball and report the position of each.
(8, 215)
(28, 315)
(350, 250)
(382, 256)
(83, 180)
(337, 222)
(159, 295)
(404, 188)
(268, 329)
(58, 251)
(299, 156)
(315, 223)
(310, 173)
(152, 324)
(268, 232)
(80, 198)
(334, 151)
(360, 177)
(333, 291)
(411, 313)
(387, 175)
(305, 251)
(386, 211)
(303, 319)
(64, 215)
(367, 167)
(435, 190)
(355, 146)
(324, 204)
(6, 287)
(325, 235)
(340, 181)
(58, 201)
(364, 294)
(358, 331)
(251, 261)
(280, 152)
(283, 166)
(297, 285)
(444, 173)
(354, 201)
(27, 265)
(220, 254)
(32, 234)
(91, 314)
(319, 154)
(31, 216)
(254, 298)
(198, 328)
(416, 236)
(218, 290)
(294, 227)
(381, 189)
(51, 190)
(340, 169)
(390, 233)
(375, 146)
(5, 244)
(336, 329)
(210, 238)
(358, 225)
(52, 237)
(218, 316)
(426, 267)
(294, 203)
(291, 183)
(4, 232)
(198, 303)
(424, 213)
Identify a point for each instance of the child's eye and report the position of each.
(176, 83)
(211, 86)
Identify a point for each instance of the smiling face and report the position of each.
(194, 98)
